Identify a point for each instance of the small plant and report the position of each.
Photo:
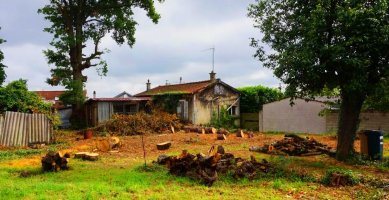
(223, 119)
(339, 177)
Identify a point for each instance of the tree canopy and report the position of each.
(78, 26)
(326, 44)
(253, 97)
(2, 66)
(16, 97)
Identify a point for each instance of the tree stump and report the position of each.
(164, 145)
(240, 133)
(221, 137)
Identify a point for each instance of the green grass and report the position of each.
(20, 153)
(125, 179)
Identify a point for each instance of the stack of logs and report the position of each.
(294, 145)
(207, 167)
(55, 161)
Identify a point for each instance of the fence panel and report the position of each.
(20, 129)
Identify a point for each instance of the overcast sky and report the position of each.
(166, 51)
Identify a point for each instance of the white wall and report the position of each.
(301, 117)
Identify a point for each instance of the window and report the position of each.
(233, 110)
(56, 98)
(124, 108)
(118, 108)
(130, 109)
(218, 90)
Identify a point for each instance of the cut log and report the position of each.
(80, 155)
(87, 156)
(91, 156)
(103, 145)
(240, 133)
(54, 162)
(220, 150)
(164, 145)
(115, 142)
(221, 137)
(210, 130)
(222, 131)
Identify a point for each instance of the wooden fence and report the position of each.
(20, 129)
(249, 121)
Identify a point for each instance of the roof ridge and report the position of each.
(195, 82)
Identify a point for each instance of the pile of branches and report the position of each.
(141, 122)
(294, 145)
(207, 168)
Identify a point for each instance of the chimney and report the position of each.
(212, 76)
(148, 84)
(94, 94)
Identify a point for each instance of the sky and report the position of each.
(163, 52)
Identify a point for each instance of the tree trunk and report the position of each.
(348, 123)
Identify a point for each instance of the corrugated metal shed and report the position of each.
(20, 129)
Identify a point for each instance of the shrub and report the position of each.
(253, 97)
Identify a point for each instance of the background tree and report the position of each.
(327, 44)
(2, 66)
(76, 23)
(16, 97)
(253, 97)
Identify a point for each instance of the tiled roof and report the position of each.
(120, 99)
(184, 88)
(49, 95)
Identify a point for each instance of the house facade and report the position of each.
(100, 110)
(200, 100)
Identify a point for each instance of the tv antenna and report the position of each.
(213, 56)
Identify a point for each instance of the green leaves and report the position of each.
(74, 24)
(253, 97)
(2, 66)
(318, 44)
(16, 97)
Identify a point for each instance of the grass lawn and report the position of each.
(122, 176)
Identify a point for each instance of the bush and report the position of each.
(224, 120)
(140, 123)
(253, 97)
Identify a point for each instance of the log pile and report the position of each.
(294, 145)
(55, 161)
(207, 168)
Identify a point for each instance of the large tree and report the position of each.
(327, 44)
(78, 27)
(2, 66)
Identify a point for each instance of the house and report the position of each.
(100, 110)
(52, 97)
(200, 100)
(64, 111)
(303, 117)
(124, 94)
